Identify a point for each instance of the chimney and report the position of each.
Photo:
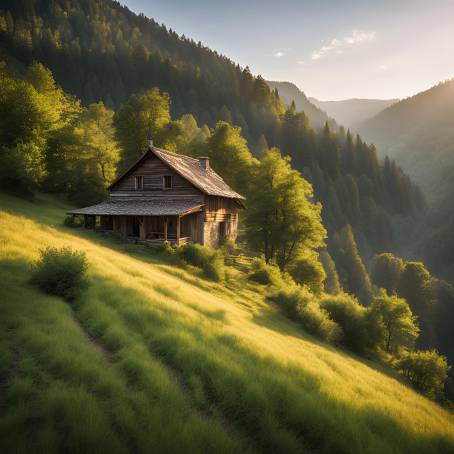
(204, 163)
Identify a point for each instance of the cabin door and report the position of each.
(135, 226)
(222, 231)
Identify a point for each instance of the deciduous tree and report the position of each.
(282, 219)
(398, 321)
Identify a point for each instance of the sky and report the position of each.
(331, 49)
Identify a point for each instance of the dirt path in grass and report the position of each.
(95, 343)
(211, 412)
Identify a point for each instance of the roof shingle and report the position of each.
(141, 207)
(207, 181)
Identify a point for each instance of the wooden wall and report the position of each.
(153, 169)
(219, 210)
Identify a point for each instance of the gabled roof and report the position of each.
(141, 207)
(207, 181)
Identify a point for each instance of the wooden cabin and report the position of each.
(165, 196)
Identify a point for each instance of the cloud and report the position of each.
(338, 45)
(278, 54)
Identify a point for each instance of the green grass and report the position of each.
(154, 357)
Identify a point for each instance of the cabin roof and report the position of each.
(141, 207)
(207, 181)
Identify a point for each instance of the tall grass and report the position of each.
(152, 358)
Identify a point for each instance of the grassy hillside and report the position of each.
(154, 356)
(350, 112)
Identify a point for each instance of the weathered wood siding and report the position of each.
(153, 170)
(219, 210)
(220, 214)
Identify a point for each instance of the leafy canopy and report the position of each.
(397, 320)
(282, 220)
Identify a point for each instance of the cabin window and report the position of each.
(167, 182)
(139, 182)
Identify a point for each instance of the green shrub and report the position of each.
(302, 306)
(264, 273)
(351, 317)
(61, 272)
(167, 252)
(209, 260)
(426, 370)
(163, 248)
(229, 247)
(363, 329)
(309, 271)
(72, 221)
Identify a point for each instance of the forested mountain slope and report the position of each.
(418, 133)
(350, 112)
(157, 357)
(289, 92)
(99, 50)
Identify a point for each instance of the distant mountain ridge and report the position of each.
(289, 92)
(350, 112)
(418, 132)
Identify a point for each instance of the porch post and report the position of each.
(178, 230)
(142, 230)
(165, 228)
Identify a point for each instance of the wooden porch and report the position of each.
(177, 230)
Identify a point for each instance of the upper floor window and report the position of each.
(167, 182)
(139, 182)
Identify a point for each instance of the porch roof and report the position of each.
(142, 207)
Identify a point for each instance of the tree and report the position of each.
(21, 110)
(14, 176)
(99, 138)
(81, 157)
(398, 321)
(387, 270)
(31, 108)
(332, 284)
(282, 221)
(308, 270)
(353, 273)
(230, 156)
(140, 119)
(329, 152)
(426, 370)
(57, 107)
(415, 286)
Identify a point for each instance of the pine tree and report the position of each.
(352, 272)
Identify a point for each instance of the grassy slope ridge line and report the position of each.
(184, 364)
